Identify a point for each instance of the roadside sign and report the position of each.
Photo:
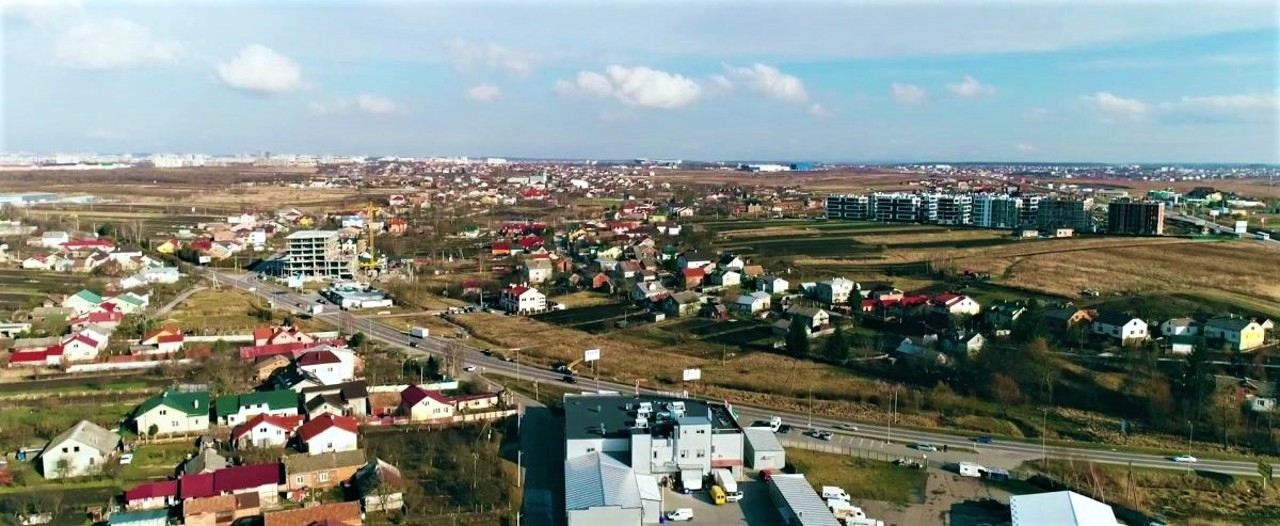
(692, 374)
(591, 355)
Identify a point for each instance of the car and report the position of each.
(1188, 459)
(847, 426)
(253, 289)
(926, 447)
(469, 368)
(487, 352)
(823, 435)
(413, 344)
(126, 458)
(680, 514)
(784, 428)
(983, 440)
(570, 379)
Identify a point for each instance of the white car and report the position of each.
(681, 514)
(469, 368)
(847, 427)
(926, 447)
(1185, 458)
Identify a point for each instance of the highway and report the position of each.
(900, 438)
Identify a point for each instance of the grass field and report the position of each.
(862, 478)
(20, 289)
(228, 311)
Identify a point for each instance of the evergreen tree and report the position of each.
(837, 347)
(798, 338)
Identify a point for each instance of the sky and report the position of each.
(998, 80)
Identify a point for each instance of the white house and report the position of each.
(835, 291)
(265, 431)
(79, 451)
(173, 412)
(54, 239)
(1126, 329)
(80, 348)
(732, 262)
(327, 433)
(326, 366)
(772, 284)
(956, 304)
(235, 409)
(421, 404)
(726, 278)
(537, 270)
(521, 300)
(647, 290)
(1179, 327)
(751, 303)
(692, 259)
(82, 302)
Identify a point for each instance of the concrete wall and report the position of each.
(605, 516)
(579, 447)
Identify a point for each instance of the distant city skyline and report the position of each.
(891, 82)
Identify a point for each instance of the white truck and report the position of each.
(969, 469)
(317, 309)
(417, 334)
(850, 515)
(724, 479)
(830, 493)
(775, 423)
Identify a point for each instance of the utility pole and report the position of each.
(888, 437)
(810, 407)
(1044, 432)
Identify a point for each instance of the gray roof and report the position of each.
(208, 460)
(804, 503)
(584, 415)
(762, 439)
(598, 480)
(1229, 323)
(89, 434)
(686, 297)
(1114, 318)
(306, 462)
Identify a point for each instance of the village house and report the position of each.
(80, 347)
(166, 340)
(522, 300)
(332, 514)
(726, 278)
(422, 404)
(1125, 329)
(173, 412)
(236, 409)
(263, 430)
(220, 510)
(691, 259)
(682, 304)
(82, 302)
(1240, 334)
(326, 365)
(731, 262)
(151, 495)
(304, 472)
(352, 396)
(835, 291)
(537, 270)
(956, 305)
(1003, 313)
(750, 303)
(647, 291)
(1179, 327)
(1060, 320)
(79, 451)
(692, 277)
(772, 285)
(380, 486)
(328, 433)
(206, 461)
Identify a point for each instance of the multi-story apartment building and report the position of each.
(929, 208)
(896, 206)
(1058, 213)
(997, 211)
(854, 207)
(1135, 218)
(1030, 210)
(317, 254)
(954, 209)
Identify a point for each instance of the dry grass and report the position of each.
(437, 325)
(582, 299)
(226, 312)
(1256, 188)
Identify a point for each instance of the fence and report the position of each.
(100, 367)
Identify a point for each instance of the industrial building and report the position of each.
(763, 449)
(28, 198)
(1053, 214)
(601, 490)
(1060, 508)
(798, 504)
(1135, 218)
(356, 296)
(317, 254)
(657, 435)
(853, 207)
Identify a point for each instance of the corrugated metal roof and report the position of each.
(598, 480)
(804, 503)
(1060, 508)
(762, 439)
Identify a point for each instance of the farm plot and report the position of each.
(21, 289)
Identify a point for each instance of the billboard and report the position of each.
(591, 355)
(692, 374)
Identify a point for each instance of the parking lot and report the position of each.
(755, 508)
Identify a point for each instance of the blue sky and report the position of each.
(996, 80)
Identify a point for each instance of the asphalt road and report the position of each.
(747, 414)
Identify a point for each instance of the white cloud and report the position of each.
(484, 92)
(365, 102)
(771, 82)
(1024, 147)
(113, 43)
(1243, 102)
(719, 84)
(970, 88)
(817, 110)
(907, 93)
(375, 104)
(488, 55)
(259, 69)
(38, 12)
(1112, 106)
(635, 86)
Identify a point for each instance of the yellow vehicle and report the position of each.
(717, 495)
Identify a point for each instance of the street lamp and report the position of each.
(1044, 433)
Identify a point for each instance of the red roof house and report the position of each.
(240, 478)
(197, 486)
(152, 495)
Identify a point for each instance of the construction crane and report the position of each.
(370, 265)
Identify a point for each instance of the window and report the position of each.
(164, 412)
(684, 453)
(591, 450)
(65, 450)
(77, 449)
(702, 453)
(299, 480)
(324, 477)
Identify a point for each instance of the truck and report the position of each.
(775, 423)
(843, 510)
(724, 479)
(417, 334)
(969, 469)
(834, 493)
(317, 309)
(690, 481)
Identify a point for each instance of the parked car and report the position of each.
(926, 447)
(680, 514)
(469, 368)
(784, 428)
(821, 435)
(1186, 459)
(983, 440)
